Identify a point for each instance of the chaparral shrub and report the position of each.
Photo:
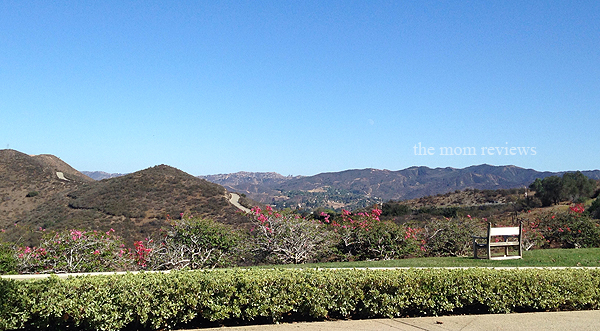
(193, 243)
(451, 236)
(363, 236)
(8, 260)
(285, 237)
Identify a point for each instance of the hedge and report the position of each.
(158, 300)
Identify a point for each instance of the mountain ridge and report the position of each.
(355, 188)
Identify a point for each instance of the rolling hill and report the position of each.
(135, 205)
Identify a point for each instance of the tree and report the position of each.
(573, 186)
(548, 190)
(576, 186)
(594, 209)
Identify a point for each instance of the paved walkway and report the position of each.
(559, 321)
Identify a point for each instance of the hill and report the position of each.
(135, 205)
(362, 187)
(27, 181)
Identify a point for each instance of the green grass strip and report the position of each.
(584, 257)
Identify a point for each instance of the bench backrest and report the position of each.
(508, 231)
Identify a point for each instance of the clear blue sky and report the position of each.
(300, 87)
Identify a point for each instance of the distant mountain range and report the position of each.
(100, 175)
(358, 188)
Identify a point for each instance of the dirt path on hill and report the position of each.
(234, 198)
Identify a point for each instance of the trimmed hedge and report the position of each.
(157, 300)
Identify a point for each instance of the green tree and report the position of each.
(549, 190)
(573, 186)
(576, 186)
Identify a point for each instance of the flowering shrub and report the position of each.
(192, 243)
(570, 230)
(284, 237)
(577, 208)
(533, 236)
(363, 236)
(74, 251)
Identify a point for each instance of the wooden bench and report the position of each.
(510, 237)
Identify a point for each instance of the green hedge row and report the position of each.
(156, 300)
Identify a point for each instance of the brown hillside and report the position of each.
(28, 181)
(135, 205)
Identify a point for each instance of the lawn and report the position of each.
(583, 257)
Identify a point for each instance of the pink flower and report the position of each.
(96, 252)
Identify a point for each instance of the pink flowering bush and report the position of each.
(285, 237)
(363, 236)
(572, 229)
(533, 236)
(74, 251)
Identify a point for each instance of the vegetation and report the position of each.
(288, 238)
(73, 251)
(191, 243)
(594, 209)
(557, 257)
(164, 301)
(8, 260)
(571, 186)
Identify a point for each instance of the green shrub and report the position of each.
(8, 260)
(157, 300)
(193, 243)
(451, 236)
(594, 209)
(379, 241)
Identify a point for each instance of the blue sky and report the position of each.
(301, 87)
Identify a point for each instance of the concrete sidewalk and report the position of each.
(576, 320)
